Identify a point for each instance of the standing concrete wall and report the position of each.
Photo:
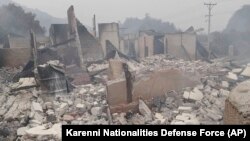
(173, 45)
(17, 42)
(110, 32)
(145, 41)
(58, 34)
(91, 48)
(14, 57)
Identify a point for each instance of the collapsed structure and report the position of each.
(73, 77)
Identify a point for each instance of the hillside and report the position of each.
(45, 19)
(240, 21)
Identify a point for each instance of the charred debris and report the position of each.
(74, 77)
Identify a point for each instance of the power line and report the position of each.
(210, 7)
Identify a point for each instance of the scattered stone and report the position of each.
(21, 131)
(215, 93)
(48, 105)
(24, 83)
(182, 118)
(122, 120)
(182, 108)
(232, 76)
(237, 70)
(137, 120)
(102, 90)
(224, 84)
(196, 95)
(42, 131)
(96, 111)
(186, 95)
(81, 108)
(34, 123)
(214, 117)
(38, 116)
(246, 72)
(63, 108)
(224, 92)
(83, 91)
(37, 107)
(50, 112)
(68, 118)
(159, 116)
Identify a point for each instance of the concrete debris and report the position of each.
(186, 95)
(21, 131)
(31, 117)
(215, 93)
(63, 108)
(145, 111)
(182, 108)
(232, 76)
(43, 132)
(224, 84)
(224, 92)
(237, 70)
(160, 117)
(24, 83)
(196, 95)
(68, 118)
(184, 119)
(246, 72)
(96, 111)
(97, 67)
(121, 118)
(37, 107)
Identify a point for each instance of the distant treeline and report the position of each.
(134, 25)
(14, 20)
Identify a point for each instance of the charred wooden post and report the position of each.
(33, 48)
(94, 26)
(34, 57)
(129, 81)
(74, 34)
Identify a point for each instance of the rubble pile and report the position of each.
(26, 116)
(165, 62)
(203, 104)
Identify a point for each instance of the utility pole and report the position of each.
(210, 7)
(94, 26)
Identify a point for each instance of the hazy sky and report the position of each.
(183, 13)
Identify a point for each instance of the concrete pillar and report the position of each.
(115, 69)
(74, 34)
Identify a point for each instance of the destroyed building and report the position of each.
(150, 43)
(181, 45)
(76, 78)
(109, 36)
(129, 45)
(91, 47)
